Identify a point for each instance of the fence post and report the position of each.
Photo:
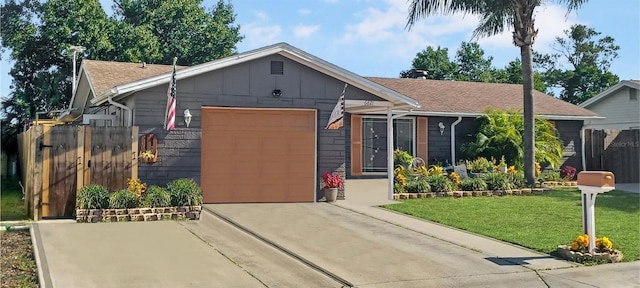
(134, 152)
(80, 163)
(36, 145)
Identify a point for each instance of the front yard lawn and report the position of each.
(539, 222)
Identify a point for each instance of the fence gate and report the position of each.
(617, 151)
(58, 161)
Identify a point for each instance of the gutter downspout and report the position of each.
(114, 103)
(453, 140)
(390, 118)
(582, 146)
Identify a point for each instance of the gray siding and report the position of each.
(249, 85)
(440, 145)
(620, 110)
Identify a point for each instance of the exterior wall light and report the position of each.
(187, 117)
(441, 125)
(276, 93)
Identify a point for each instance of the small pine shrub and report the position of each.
(418, 186)
(473, 184)
(497, 181)
(156, 196)
(123, 199)
(440, 183)
(185, 192)
(480, 165)
(92, 197)
(553, 175)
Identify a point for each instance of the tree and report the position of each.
(39, 36)
(182, 28)
(588, 59)
(435, 62)
(472, 65)
(495, 16)
(512, 73)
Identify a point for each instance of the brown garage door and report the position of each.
(258, 155)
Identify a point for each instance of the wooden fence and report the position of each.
(617, 151)
(58, 161)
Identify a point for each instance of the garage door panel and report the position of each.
(267, 154)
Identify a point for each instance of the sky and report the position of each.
(369, 37)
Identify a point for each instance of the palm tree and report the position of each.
(496, 15)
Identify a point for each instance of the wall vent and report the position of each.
(277, 68)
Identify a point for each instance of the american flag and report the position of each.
(337, 115)
(170, 121)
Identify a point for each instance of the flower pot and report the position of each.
(330, 194)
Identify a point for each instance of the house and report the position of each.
(612, 143)
(257, 127)
(618, 104)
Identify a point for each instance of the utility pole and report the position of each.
(75, 49)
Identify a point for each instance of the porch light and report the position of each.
(276, 93)
(187, 117)
(441, 125)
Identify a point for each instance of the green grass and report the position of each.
(11, 203)
(539, 222)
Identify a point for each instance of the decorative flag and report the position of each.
(170, 120)
(337, 115)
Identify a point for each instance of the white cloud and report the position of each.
(550, 20)
(261, 15)
(303, 31)
(258, 35)
(304, 11)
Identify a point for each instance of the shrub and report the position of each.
(480, 165)
(185, 192)
(497, 181)
(156, 196)
(473, 184)
(92, 197)
(517, 179)
(568, 172)
(418, 186)
(122, 199)
(551, 176)
(402, 158)
(440, 183)
(436, 170)
(398, 188)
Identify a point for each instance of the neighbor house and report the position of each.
(257, 127)
(618, 104)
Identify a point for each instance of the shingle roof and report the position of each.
(475, 97)
(105, 75)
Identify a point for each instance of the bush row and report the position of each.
(179, 192)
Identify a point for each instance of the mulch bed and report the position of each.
(17, 264)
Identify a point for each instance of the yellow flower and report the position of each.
(575, 246)
(454, 177)
(512, 170)
(606, 242)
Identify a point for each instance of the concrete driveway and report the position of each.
(299, 245)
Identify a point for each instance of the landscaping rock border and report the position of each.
(460, 194)
(138, 214)
(564, 251)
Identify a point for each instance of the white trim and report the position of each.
(463, 114)
(86, 118)
(635, 84)
(282, 49)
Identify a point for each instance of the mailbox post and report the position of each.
(591, 183)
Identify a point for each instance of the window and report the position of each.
(277, 68)
(374, 141)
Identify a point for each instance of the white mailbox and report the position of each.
(591, 183)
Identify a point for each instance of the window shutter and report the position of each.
(356, 144)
